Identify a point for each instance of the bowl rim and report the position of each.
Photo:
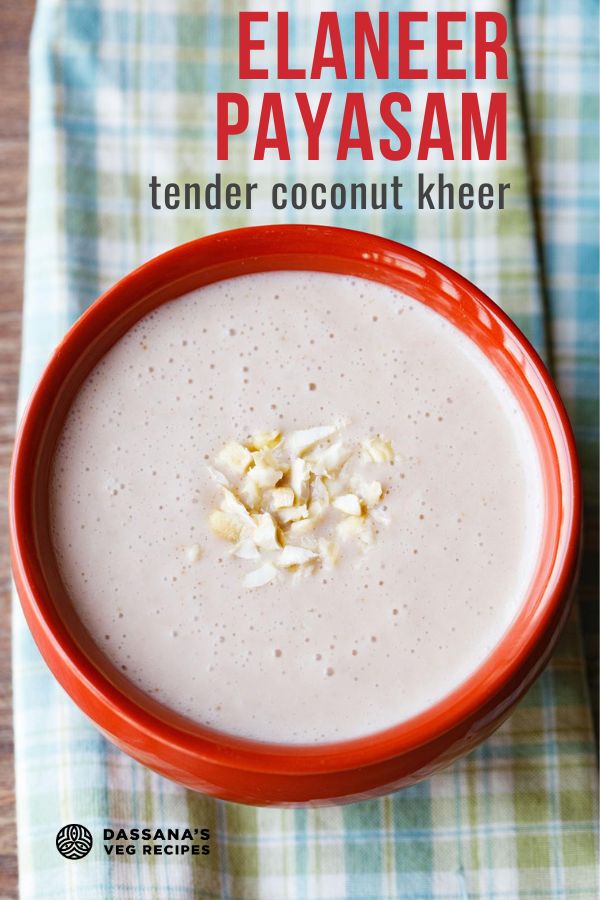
(251, 755)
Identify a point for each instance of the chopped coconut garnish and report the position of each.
(291, 501)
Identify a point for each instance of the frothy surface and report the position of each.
(344, 653)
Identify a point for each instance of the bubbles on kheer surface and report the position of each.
(369, 642)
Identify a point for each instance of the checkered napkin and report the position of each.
(125, 90)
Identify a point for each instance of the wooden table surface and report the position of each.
(15, 22)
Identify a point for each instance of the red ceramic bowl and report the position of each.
(249, 771)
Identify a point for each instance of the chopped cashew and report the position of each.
(329, 552)
(193, 553)
(217, 477)
(299, 475)
(224, 525)
(315, 510)
(329, 461)
(302, 526)
(378, 449)
(319, 492)
(265, 533)
(369, 491)
(265, 439)
(349, 504)
(349, 527)
(298, 442)
(236, 457)
(366, 534)
(276, 495)
(281, 498)
(246, 549)
(264, 475)
(295, 556)
(235, 508)
(260, 576)
(292, 514)
(379, 515)
(250, 493)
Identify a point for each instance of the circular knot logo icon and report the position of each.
(74, 841)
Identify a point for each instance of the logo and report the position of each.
(74, 841)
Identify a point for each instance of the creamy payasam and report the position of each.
(295, 506)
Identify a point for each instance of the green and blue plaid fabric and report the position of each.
(121, 91)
